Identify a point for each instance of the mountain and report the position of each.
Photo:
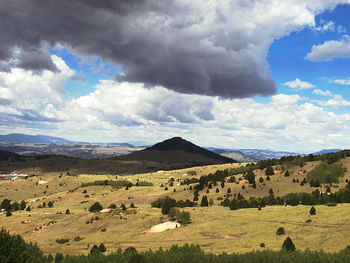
(324, 151)
(24, 138)
(251, 155)
(177, 150)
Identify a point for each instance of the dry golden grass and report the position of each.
(216, 229)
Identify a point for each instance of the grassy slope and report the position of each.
(216, 229)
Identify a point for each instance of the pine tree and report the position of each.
(204, 201)
(22, 205)
(102, 248)
(288, 244)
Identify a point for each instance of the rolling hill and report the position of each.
(177, 150)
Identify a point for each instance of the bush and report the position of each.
(28, 209)
(67, 212)
(112, 206)
(184, 217)
(8, 213)
(62, 240)
(96, 207)
(123, 207)
(286, 174)
(132, 205)
(262, 244)
(288, 244)
(50, 204)
(280, 231)
(313, 211)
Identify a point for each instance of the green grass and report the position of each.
(327, 173)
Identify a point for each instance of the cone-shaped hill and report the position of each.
(177, 150)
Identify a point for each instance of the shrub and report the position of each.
(286, 174)
(67, 212)
(62, 240)
(313, 211)
(28, 209)
(280, 231)
(262, 244)
(123, 207)
(184, 217)
(112, 206)
(132, 205)
(288, 244)
(50, 204)
(96, 207)
(217, 190)
(8, 213)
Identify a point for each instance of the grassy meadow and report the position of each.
(216, 229)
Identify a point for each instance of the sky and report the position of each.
(264, 74)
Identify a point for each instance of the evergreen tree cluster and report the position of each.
(293, 199)
(166, 203)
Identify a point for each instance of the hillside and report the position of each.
(177, 150)
(6, 156)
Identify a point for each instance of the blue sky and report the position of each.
(268, 74)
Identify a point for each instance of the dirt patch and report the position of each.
(211, 235)
(233, 236)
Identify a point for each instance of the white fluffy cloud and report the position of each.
(330, 49)
(299, 84)
(29, 97)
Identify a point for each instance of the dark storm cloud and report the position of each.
(156, 42)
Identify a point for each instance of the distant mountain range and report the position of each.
(41, 144)
(18, 138)
(177, 150)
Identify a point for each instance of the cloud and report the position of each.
(343, 81)
(335, 101)
(132, 112)
(330, 49)
(329, 26)
(27, 97)
(322, 93)
(215, 48)
(298, 84)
